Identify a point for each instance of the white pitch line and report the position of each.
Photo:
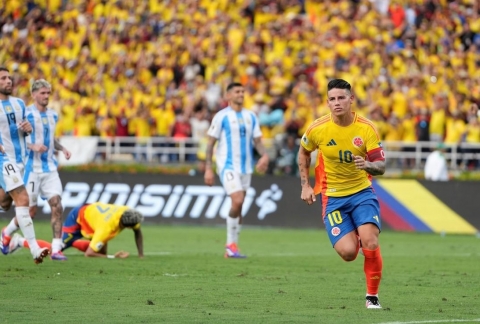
(158, 253)
(436, 321)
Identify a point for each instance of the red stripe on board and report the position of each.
(392, 219)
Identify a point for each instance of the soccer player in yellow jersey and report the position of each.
(349, 153)
(98, 223)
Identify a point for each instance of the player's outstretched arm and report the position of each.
(91, 253)
(262, 164)
(304, 160)
(139, 241)
(209, 177)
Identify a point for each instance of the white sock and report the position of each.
(26, 225)
(232, 230)
(237, 234)
(11, 227)
(56, 245)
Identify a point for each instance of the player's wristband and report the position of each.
(110, 256)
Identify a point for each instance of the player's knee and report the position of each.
(371, 244)
(21, 198)
(348, 255)
(55, 203)
(33, 211)
(237, 203)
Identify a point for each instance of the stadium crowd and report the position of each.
(159, 68)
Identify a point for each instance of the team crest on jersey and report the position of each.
(45, 120)
(8, 109)
(357, 141)
(336, 231)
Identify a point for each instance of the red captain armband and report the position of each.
(376, 155)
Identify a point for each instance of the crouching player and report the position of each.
(98, 223)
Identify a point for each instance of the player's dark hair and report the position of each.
(233, 85)
(131, 217)
(339, 84)
(2, 68)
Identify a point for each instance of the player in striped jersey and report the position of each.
(349, 153)
(13, 129)
(41, 175)
(237, 131)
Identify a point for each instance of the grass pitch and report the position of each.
(290, 276)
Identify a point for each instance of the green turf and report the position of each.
(291, 276)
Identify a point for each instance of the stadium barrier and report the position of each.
(169, 149)
(406, 205)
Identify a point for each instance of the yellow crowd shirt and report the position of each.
(335, 172)
(100, 223)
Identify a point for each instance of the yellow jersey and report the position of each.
(335, 172)
(100, 223)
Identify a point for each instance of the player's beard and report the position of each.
(6, 92)
(239, 101)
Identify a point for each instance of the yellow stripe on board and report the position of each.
(427, 207)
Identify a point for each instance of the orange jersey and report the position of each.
(335, 172)
(100, 223)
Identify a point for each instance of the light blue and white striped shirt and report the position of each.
(235, 132)
(43, 124)
(12, 113)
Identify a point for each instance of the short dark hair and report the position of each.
(233, 85)
(131, 217)
(339, 84)
(2, 68)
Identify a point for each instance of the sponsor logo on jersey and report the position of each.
(332, 143)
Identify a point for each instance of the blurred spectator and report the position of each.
(436, 165)
(142, 126)
(200, 126)
(286, 162)
(164, 120)
(422, 125)
(472, 136)
(182, 129)
(438, 118)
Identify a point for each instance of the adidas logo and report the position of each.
(331, 143)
